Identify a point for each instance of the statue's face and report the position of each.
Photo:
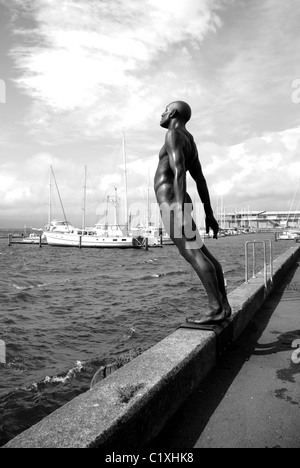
(165, 118)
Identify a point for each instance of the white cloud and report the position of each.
(6, 182)
(223, 188)
(95, 59)
(12, 190)
(291, 139)
(254, 171)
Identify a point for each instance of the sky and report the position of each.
(76, 74)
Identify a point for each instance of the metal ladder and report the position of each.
(254, 255)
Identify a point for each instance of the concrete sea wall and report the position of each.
(128, 408)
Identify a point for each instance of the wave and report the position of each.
(104, 367)
(26, 288)
(161, 275)
(71, 374)
(48, 380)
(16, 364)
(128, 334)
(155, 275)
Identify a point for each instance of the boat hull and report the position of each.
(25, 241)
(72, 240)
(33, 239)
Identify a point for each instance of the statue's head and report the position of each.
(179, 110)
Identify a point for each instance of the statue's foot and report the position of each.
(212, 318)
(227, 308)
(208, 319)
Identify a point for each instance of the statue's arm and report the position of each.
(197, 175)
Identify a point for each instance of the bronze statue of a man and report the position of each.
(179, 155)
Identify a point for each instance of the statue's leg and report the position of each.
(188, 241)
(206, 272)
(220, 276)
(192, 233)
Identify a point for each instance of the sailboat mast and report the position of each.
(148, 208)
(148, 223)
(125, 182)
(61, 204)
(287, 221)
(50, 199)
(84, 200)
(115, 203)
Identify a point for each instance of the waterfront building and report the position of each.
(246, 219)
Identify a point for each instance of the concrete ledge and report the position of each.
(127, 409)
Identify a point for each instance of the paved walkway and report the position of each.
(252, 398)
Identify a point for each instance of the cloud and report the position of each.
(94, 67)
(248, 70)
(25, 185)
(262, 170)
(12, 192)
(93, 64)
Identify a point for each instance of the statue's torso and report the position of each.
(164, 177)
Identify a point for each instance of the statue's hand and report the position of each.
(212, 223)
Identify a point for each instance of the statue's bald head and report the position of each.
(183, 109)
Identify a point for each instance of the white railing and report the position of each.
(254, 256)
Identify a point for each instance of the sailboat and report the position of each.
(291, 233)
(39, 234)
(100, 236)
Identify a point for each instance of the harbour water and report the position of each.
(66, 313)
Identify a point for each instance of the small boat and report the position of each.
(152, 233)
(33, 238)
(290, 234)
(39, 235)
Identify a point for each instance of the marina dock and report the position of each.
(168, 396)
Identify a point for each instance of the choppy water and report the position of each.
(64, 313)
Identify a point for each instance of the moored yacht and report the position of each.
(111, 237)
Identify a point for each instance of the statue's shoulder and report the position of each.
(190, 137)
(178, 134)
(173, 136)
